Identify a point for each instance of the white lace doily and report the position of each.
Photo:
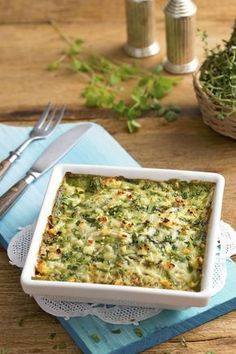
(117, 314)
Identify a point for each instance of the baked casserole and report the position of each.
(121, 231)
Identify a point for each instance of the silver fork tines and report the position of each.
(46, 124)
(48, 121)
(43, 117)
(57, 115)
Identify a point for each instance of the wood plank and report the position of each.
(33, 11)
(26, 50)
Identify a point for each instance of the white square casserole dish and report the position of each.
(130, 295)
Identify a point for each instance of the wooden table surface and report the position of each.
(28, 43)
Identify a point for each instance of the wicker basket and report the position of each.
(211, 108)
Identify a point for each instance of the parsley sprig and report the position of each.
(105, 84)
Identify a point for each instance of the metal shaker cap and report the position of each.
(180, 8)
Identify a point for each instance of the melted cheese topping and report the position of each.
(113, 230)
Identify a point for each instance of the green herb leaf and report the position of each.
(52, 335)
(145, 82)
(138, 332)
(98, 96)
(161, 111)
(75, 48)
(174, 108)
(140, 99)
(127, 71)
(157, 69)
(95, 338)
(53, 66)
(133, 113)
(61, 345)
(76, 64)
(132, 126)
(115, 79)
(79, 65)
(161, 87)
(155, 104)
(204, 38)
(170, 116)
(116, 331)
(121, 108)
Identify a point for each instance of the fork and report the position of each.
(46, 124)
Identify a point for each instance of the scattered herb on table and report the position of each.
(116, 330)
(105, 81)
(52, 335)
(218, 73)
(183, 342)
(210, 353)
(3, 351)
(138, 332)
(61, 345)
(95, 338)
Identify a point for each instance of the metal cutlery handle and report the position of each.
(11, 196)
(4, 167)
(14, 155)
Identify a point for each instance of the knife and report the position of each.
(46, 160)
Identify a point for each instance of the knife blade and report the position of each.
(50, 156)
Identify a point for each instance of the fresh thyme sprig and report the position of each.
(105, 84)
(218, 74)
(204, 38)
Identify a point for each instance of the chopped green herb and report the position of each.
(75, 47)
(160, 111)
(210, 353)
(138, 332)
(61, 345)
(95, 338)
(133, 125)
(53, 66)
(174, 108)
(157, 68)
(116, 330)
(98, 96)
(52, 335)
(171, 116)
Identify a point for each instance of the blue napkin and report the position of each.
(96, 146)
